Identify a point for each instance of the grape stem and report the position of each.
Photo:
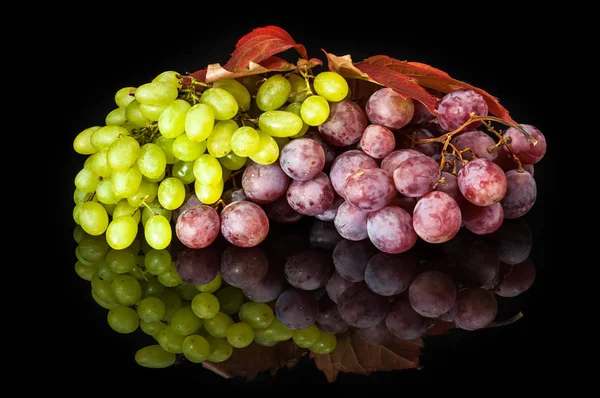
(306, 75)
(506, 322)
(149, 208)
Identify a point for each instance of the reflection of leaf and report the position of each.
(354, 355)
(248, 362)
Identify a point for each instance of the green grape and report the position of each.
(126, 182)
(86, 181)
(124, 96)
(237, 90)
(152, 288)
(79, 234)
(257, 315)
(123, 319)
(128, 126)
(172, 303)
(208, 194)
(147, 192)
(166, 144)
(82, 144)
(187, 291)
(152, 328)
(122, 153)
(205, 305)
(171, 122)
(85, 272)
(325, 344)
(105, 194)
(81, 259)
(223, 104)
(231, 161)
(298, 87)
(268, 151)
(187, 150)
(98, 164)
(151, 309)
(121, 261)
(211, 286)
(230, 299)
(184, 322)
(280, 123)
(79, 196)
(217, 326)
(170, 278)
(154, 357)
(93, 248)
(307, 338)
(314, 110)
(139, 274)
(103, 289)
(121, 232)
(127, 289)
(218, 142)
(226, 173)
(76, 212)
(110, 207)
(158, 261)
(151, 160)
(93, 218)
(156, 93)
(103, 137)
(153, 209)
(184, 171)
(220, 349)
(276, 331)
(151, 112)
(261, 340)
(251, 83)
(125, 209)
(273, 93)
(281, 141)
(170, 341)
(331, 85)
(240, 335)
(171, 193)
(195, 348)
(171, 77)
(207, 170)
(199, 122)
(105, 272)
(103, 304)
(245, 141)
(295, 109)
(116, 117)
(158, 232)
(134, 115)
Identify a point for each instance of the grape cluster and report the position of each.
(187, 188)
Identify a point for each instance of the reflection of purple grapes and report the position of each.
(323, 235)
(482, 220)
(404, 322)
(475, 308)
(432, 293)
(478, 265)
(336, 285)
(309, 269)
(329, 319)
(280, 211)
(390, 274)
(197, 266)
(242, 267)
(267, 289)
(521, 193)
(362, 308)
(296, 309)
(519, 279)
(376, 335)
(350, 258)
(513, 241)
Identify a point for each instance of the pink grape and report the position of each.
(391, 230)
(387, 108)
(404, 322)
(521, 193)
(369, 189)
(482, 182)
(329, 214)
(198, 227)
(345, 124)
(377, 141)
(302, 159)
(416, 176)
(264, 183)
(475, 308)
(244, 224)
(350, 222)
(328, 149)
(482, 220)
(311, 197)
(478, 141)
(456, 107)
(521, 147)
(395, 158)
(437, 217)
(346, 164)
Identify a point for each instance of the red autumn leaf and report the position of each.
(428, 76)
(354, 355)
(260, 44)
(382, 75)
(249, 361)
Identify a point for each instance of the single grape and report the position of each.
(197, 266)
(151, 112)
(436, 217)
(391, 229)
(93, 248)
(156, 93)
(416, 176)
(217, 325)
(370, 189)
(377, 141)
(154, 357)
(513, 241)
(330, 150)
(273, 93)
(432, 293)
(455, 108)
(244, 224)
(350, 258)
(198, 226)
(237, 90)
(522, 147)
(390, 274)
(346, 164)
(387, 108)
(243, 267)
(208, 194)
(404, 322)
(122, 261)
(360, 307)
(521, 194)
(326, 344)
(152, 328)
(268, 150)
(170, 341)
(331, 85)
(519, 279)
(158, 232)
(296, 309)
(395, 158)
(151, 309)
(124, 96)
(302, 159)
(482, 220)
(311, 197)
(170, 278)
(123, 319)
(314, 110)
(309, 269)
(478, 141)
(345, 124)
(199, 122)
(482, 182)
(218, 142)
(257, 315)
(264, 183)
(475, 308)
(184, 322)
(306, 338)
(220, 349)
(329, 319)
(245, 141)
(195, 348)
(280, 123)
(205, 305)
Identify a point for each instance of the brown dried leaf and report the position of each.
(216, 72)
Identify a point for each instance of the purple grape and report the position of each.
(450, 186)
(395, 158)
(390, 274)
(234, 195)
(345, 124)
(455, 108)
(197, 266)
(350, 258)
(360, 307)
(391, 230)
(198, 226)
(243, 267)
(376, 335)
(432, 293)
(267, 289)
(311, 197)
(377, 141)
(323, 235)
(437, 217)
(521, 147)
(482, 220)
(280, 211)
(405, 202)
(244, 224)
(519, 279)
(478, 265)
(387, 108)
(328, 149)
(478, 141)
(475, 308)
(346, 164)
(296, 309)
(416, 176)
(336, 285)
(513, 241)
(404, 322)
(329, 319)
(521, 193)
(370, 189)
(421, 114)
(419, 133)
(264, 183)
(302, 159)
(329, 214)
(482, 182)
(507, 163)
(351, 223)
(309, 269)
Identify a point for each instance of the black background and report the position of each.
(505, 55)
